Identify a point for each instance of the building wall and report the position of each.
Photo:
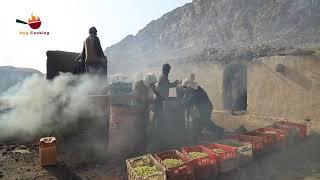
(208, 76)
(295, 93)
(292, 94)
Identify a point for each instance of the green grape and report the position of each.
(146, 170)
(197, 155)
(173, 162)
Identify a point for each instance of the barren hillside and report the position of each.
(9, 76)
(218, 24)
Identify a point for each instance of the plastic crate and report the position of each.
(121, 88)
(269, 141)
(203, 167)
(256, 142)
(292, 133)
(244, 151)
(227, 160)
(182, 172)
(280, 136)
(303, 129)
(147, 160)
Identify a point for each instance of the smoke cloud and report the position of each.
(41, 107)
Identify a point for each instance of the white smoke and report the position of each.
(41, 106)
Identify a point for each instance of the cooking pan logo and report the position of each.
(34, 22)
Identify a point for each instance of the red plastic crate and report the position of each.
(280, 136)
(203, 167)
(280, 133)
(227, 160)
(292, 133)
(244, 150)
(303, 129)
(182, 172)
(268, 139)
(257, 142)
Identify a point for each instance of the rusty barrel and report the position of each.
(127, 129)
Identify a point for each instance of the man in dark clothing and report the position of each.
(164, 84)
(163, 88)
(92, 55)
(200, 100)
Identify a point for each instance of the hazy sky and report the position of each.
(67, 22)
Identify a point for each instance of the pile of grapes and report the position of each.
(173, 162)
(146, 170)
(197, 155)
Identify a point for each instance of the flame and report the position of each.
(33, 19)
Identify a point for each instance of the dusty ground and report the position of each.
(299, 162)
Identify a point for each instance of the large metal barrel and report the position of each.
(60, 61)
(127, 129)
(94, 121)
(171, 126)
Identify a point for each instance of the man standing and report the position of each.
(164, 84)
(163, 88)
(94, 59)
(144, 91)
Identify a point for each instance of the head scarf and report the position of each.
(149, 79)
(186, 82)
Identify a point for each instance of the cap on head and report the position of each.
(93, 30)
(166, 68)
(149, 79)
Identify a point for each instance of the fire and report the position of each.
(33, 19)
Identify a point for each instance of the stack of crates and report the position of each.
(118, 88)
(223, 156)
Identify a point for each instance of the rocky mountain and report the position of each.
(9, 76)
(205, 24)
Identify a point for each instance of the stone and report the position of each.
(23, 147)
(22, 151)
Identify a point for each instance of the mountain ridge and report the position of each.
(222, 24)
(10, 76)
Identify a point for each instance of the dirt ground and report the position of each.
(21, 161)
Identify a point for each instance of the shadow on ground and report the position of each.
(301, 161)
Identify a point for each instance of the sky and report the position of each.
(67, 22)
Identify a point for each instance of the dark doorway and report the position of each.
(235, 87)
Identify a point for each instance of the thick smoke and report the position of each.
(41, 107)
